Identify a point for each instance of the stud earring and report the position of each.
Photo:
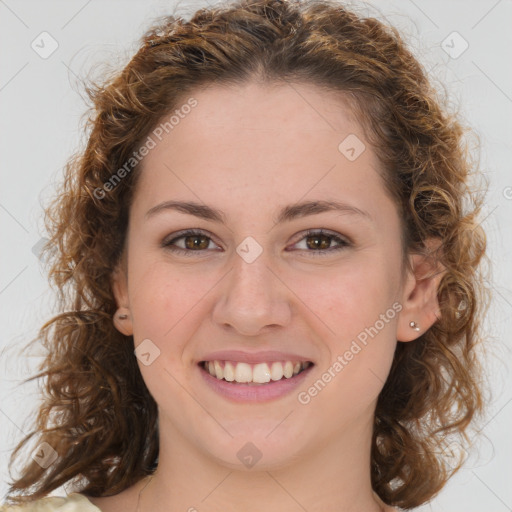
(414, 325)
(122, 316)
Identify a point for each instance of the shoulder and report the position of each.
(75, 502)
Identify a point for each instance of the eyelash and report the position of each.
(343, 243)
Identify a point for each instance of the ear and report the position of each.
(119, 282)
(419, 294)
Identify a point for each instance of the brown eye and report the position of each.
(188, 242)
(196, 241)
(319, 243)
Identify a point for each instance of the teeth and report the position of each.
(288, 369)
(276, 373)
(229, 372)
(243, 372)
(260, 373)
(219, 372)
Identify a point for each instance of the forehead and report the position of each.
(271, 141)
(281, 107)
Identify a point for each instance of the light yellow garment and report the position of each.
(75, 502)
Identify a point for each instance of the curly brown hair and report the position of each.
(98, 414)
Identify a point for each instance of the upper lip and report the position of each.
(253, 357)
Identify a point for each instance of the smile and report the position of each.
(259, 373)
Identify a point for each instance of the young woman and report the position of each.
(268, 261)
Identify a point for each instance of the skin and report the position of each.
(249, 151)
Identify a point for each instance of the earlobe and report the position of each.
(420, 305)
(123, 321)
(122, 318)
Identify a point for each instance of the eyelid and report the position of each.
(342, 241)
(322, 231)
(188, 232)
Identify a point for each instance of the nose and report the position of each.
(252, 299)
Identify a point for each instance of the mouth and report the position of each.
(257, 374)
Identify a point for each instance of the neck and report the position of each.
(334, 475)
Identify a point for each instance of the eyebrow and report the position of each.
(286, 214)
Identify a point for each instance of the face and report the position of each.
(257, 282)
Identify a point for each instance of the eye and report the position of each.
(193, 241)
(319, 241)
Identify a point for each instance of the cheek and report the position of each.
(166, 303)
(350, 297)
(357, 302)
(162, 298)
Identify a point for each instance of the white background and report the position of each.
(40, 116)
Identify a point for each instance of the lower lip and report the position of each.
(245, 392)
